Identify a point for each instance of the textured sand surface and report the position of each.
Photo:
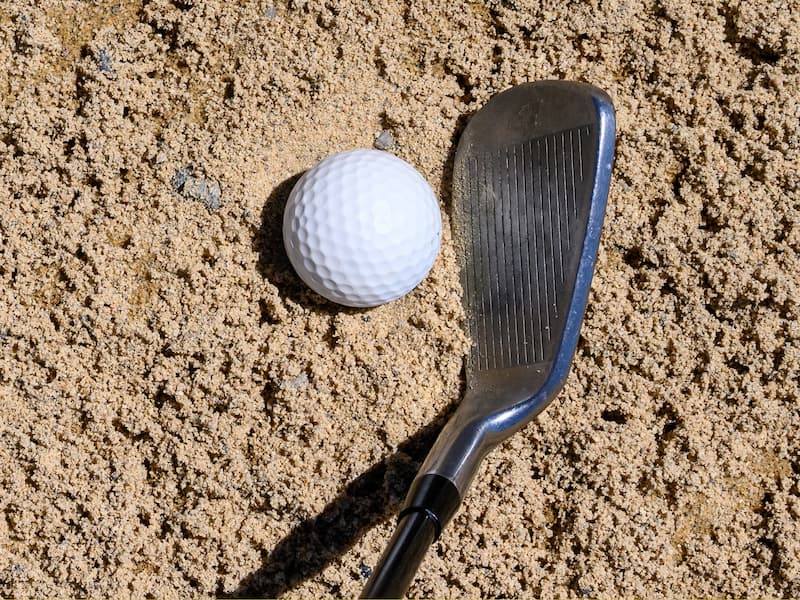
(180, 417)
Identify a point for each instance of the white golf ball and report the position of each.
(362, 228)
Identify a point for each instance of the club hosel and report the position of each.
(457, 453)
(471, 433)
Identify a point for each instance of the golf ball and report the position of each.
(362, 228)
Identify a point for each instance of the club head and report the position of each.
(533, 169)
(531, 178)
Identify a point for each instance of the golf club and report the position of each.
(530, 182)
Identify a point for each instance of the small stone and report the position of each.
(193, 187)
(385, 141)
(104, 61)
(296, 383)
(271, 12)
(365, 570)
(179, 180)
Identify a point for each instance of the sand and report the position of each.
(180, 416)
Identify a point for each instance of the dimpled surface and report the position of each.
(362, 228)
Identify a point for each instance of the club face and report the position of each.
(531, 178)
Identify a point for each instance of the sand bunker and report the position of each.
(180, 416)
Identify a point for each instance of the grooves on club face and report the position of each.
(522, 217)
(531, 178)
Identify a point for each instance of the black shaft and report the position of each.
(432, 501)
(394, 573)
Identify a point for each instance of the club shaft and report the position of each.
(394, 573)
(431, 503)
